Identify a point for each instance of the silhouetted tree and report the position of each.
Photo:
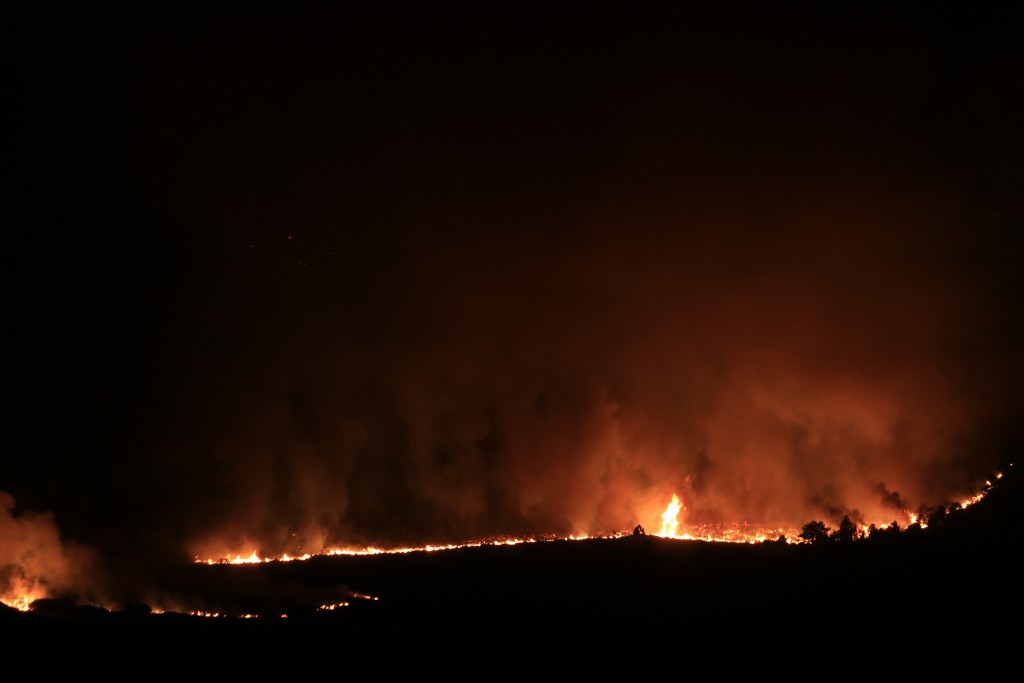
(891, 531)
(937, 516)
(781, 540)
(815, 532)
(847, 531)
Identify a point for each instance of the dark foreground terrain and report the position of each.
(935, 604)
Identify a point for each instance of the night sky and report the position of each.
(302, 274)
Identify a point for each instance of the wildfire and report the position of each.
(671, 527)
(238, 559)
(21, 597)
(717, 533)
(327, 607)
(253, 557)
(670, 518)
(22, 589)
(19, 590)
(973, 499)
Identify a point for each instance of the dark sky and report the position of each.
(312, 273)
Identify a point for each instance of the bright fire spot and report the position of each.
(21, 600)
(972, 500)
(252, 558)
(670, 518)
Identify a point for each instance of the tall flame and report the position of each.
(670, 518)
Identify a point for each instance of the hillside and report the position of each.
(934, 602)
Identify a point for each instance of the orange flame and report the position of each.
(670, 528)
(670, 518)
(22, 592)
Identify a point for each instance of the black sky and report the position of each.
(305, 273)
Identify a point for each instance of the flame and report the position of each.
(22, 589)
(973, 499)
(670, 518)
(671, 527)
(22, 593)
(36, 562)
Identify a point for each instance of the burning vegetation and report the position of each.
(37, 566)
(36, 563)
(672, 526)
(740, 584)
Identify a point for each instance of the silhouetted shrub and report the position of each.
(847, 531)
(815, 532)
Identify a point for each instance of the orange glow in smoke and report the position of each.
(22, 593)
(23, 588)
(671, 527)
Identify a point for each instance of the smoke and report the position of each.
(771, 367)
(387, 285)
(36, 563)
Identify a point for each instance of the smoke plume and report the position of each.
(35, 562)
(331, 279)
